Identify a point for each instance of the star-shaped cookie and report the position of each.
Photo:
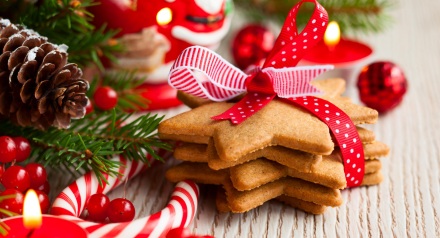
(278, 123)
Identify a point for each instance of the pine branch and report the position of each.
(125, 83)
(65, 22)
(90, 142)
(367, 16)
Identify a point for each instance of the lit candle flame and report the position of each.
(164, 16)
(332, 35)
(31, 210)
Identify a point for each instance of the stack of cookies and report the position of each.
(282, 152)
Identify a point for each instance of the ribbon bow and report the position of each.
(278, 77)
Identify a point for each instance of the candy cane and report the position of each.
(179, 212)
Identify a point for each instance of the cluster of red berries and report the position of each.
(118, 210)
(105, 98)
(17, 179)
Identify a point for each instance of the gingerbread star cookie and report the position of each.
(278, 123)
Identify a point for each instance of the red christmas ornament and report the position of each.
(8, 149)
(105, 98)
(382, 86)
(252, 46)
(23, 149)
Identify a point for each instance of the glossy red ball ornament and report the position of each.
(44, 201)
(37, 174)
(16, 177)
(12, 204)
(8, 149)
(105, 98)
(23, 149)
(252, 46)
(120, 210)
(45, 188)
(97, 206)
(382, 86)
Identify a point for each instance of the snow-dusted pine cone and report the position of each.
(37, 85)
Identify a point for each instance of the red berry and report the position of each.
(106, 98)
(37, 174)
(97, 206)
(120, 210)
(89, 107)
(8, 149)
(16, 177)
(45, 188)
(13, 204)
(23, 148)
(44, 201)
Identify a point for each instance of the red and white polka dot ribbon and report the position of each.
(179, 212)
(277, 78)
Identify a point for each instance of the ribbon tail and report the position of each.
(248, 106)
(345, 133)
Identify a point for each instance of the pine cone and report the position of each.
(37, 85)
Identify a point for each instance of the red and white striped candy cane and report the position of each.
(179, 212)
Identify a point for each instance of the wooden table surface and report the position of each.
(407, 203)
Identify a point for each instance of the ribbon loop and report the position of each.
(219, 80)
(290, 46)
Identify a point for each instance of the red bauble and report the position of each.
(120, 210)
(382, 86)
(252, 46)
(45, 188)
(16, 177)
(105, 98)
(12, 204)
(23, 149)
(8, 149)
(44, 201)
(37, 174)
(97, 206)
